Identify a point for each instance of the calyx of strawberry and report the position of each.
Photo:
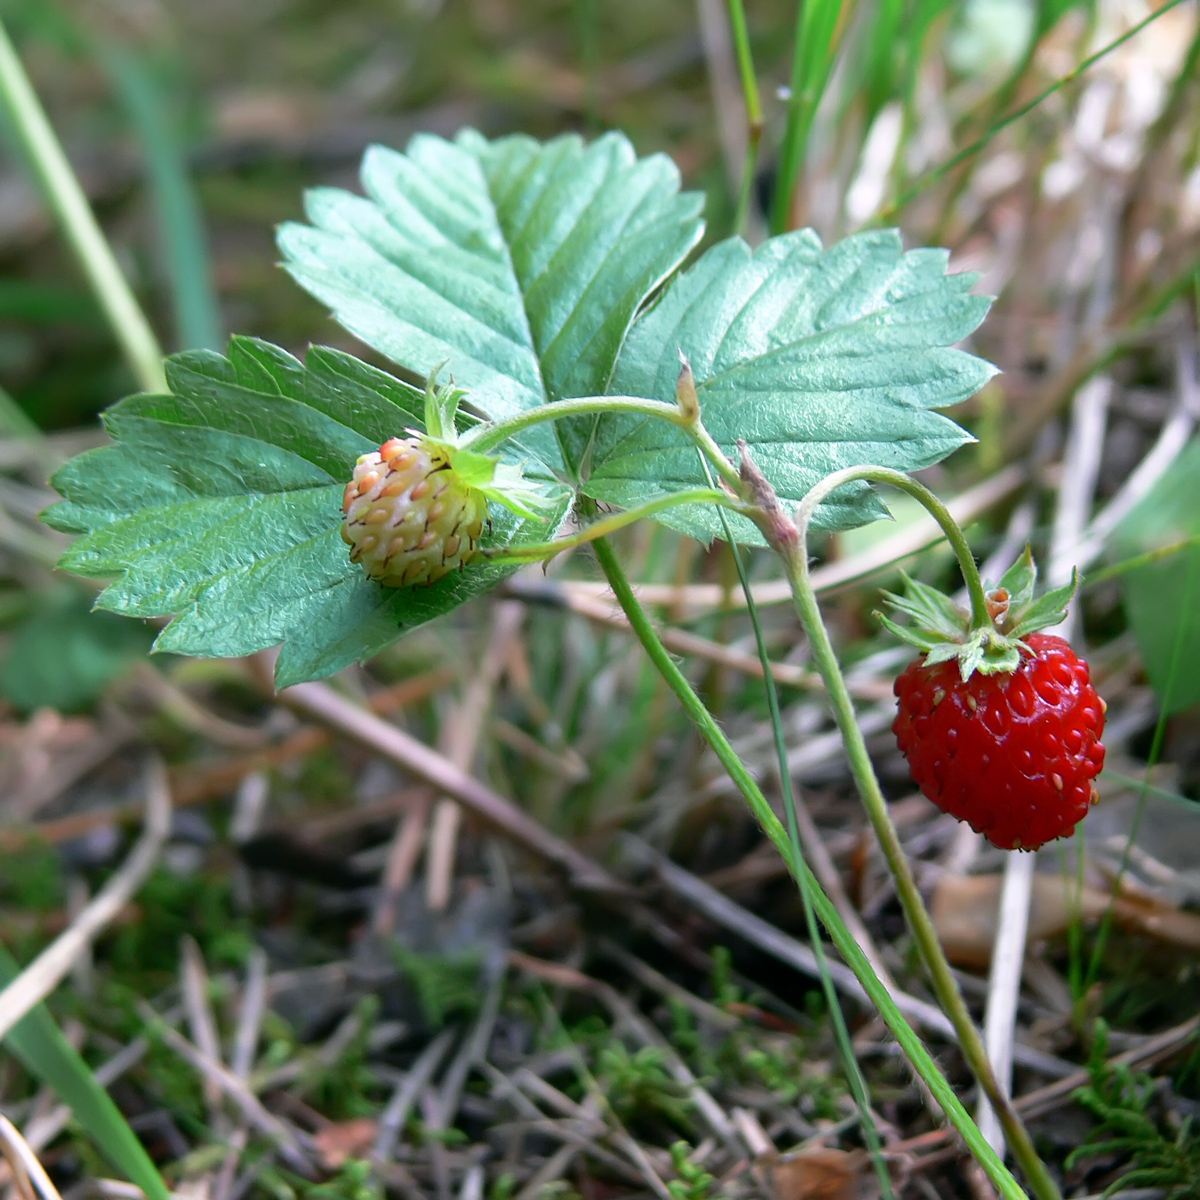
(943, 630)
(498, 481)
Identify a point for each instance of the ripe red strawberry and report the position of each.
(1013, 754)
(1000, 724)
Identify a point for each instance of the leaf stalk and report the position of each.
(539, 551)
(487, 437)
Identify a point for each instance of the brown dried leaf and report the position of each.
(342, 1140)
(818, 1174)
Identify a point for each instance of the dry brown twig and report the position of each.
(27, 1172)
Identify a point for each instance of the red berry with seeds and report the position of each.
(1011, 753)
(1000, 723)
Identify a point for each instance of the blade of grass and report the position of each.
(754, 115)
(909, 1040)
(819, 28)
(181, 226)
(1160, 731)
(36, 1040)
(1157, 792)
(15, 422)
(39, 1045)
(70, 206)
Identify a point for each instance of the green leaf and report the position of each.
(518, 264)
(1162, 598)
(40, 1046)
(819, 359)
(221, 503)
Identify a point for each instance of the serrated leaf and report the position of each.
(221, 503)
(521, 265)
(820, 359)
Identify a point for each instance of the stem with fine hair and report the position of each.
(488, 436)
(65, 197)
(908, 1039)
(790, 540)
(544, 551)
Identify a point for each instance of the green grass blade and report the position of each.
(1156, 745)
(41, 1048)
(754, 114)
(15, 422)
(185, 246)
(819, 26)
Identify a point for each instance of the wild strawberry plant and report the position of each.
(529, 275)
(327, 506)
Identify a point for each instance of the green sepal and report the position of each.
(989, 653)
(935, 617)
(1047, 610)
(502, 482)
(942, 652)
(441, 409)
(914, 637)
(942, 631)
(1019, 580)
(505, 483)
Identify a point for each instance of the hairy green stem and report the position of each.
(794, 551)
(908, 1039)
(537, 551)
(850, 1064)
(70, 206)
(488, 436)
(980, 617)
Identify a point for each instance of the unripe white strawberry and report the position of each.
(417, 507)
(409, 518)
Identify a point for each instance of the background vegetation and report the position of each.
(300, 1002)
